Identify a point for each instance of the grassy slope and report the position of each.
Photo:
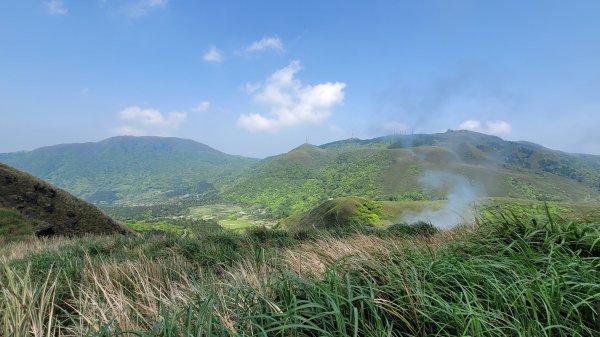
(14, 226)
(348, 212)
(390, 168)
(338, 212)
(130, 168)
(30, 205)
(507, 278)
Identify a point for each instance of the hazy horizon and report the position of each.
(292, 146)
(257, 79)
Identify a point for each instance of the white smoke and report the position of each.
(461, 197)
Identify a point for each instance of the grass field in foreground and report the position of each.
(507, 277)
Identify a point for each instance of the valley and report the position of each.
(445, 178)
(133, 178)
(231, 217)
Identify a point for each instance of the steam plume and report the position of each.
(461, 196)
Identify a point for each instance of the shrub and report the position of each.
(272, 237)
(420, 228)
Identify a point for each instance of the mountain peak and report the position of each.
(309, 148)
(157, 143)
(128, 168)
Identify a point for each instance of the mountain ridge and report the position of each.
(142, 170)
(392, 168)
(127, 168)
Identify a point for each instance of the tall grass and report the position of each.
(508, 277)
(27, 306)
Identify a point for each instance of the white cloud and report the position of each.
(470, 125)
(55, 7)
(142, 7)
(266, 43)
(201, 107)
(213, 54)
(498, 127)
(292, 103)
(148, 122)
(489, 127)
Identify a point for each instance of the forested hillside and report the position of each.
(396, 167)
(153, 170)
(131, 169)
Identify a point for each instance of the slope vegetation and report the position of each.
(131, 169)
(338, 212)
(400, 167)
(505, 277)
(31, 206)
(149, 171)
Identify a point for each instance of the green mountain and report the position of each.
(125, 170)
(147, 171)
(30, 206)
(400, 167)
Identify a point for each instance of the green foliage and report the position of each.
(132, 169)
(279, 197)
(339, 212)
(420, 228)
(262, 236)
(13, 226)
(149, 212)
(510, 277)
(151, 226)
(389, 168)
(293, 183)
(528, 190)
(306, 234)
(188, 227)
(367, 212)
(31, 206)
(524, 209)
(409, 196)
(175, 174)
(414, 141)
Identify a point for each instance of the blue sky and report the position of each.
(258, 77)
